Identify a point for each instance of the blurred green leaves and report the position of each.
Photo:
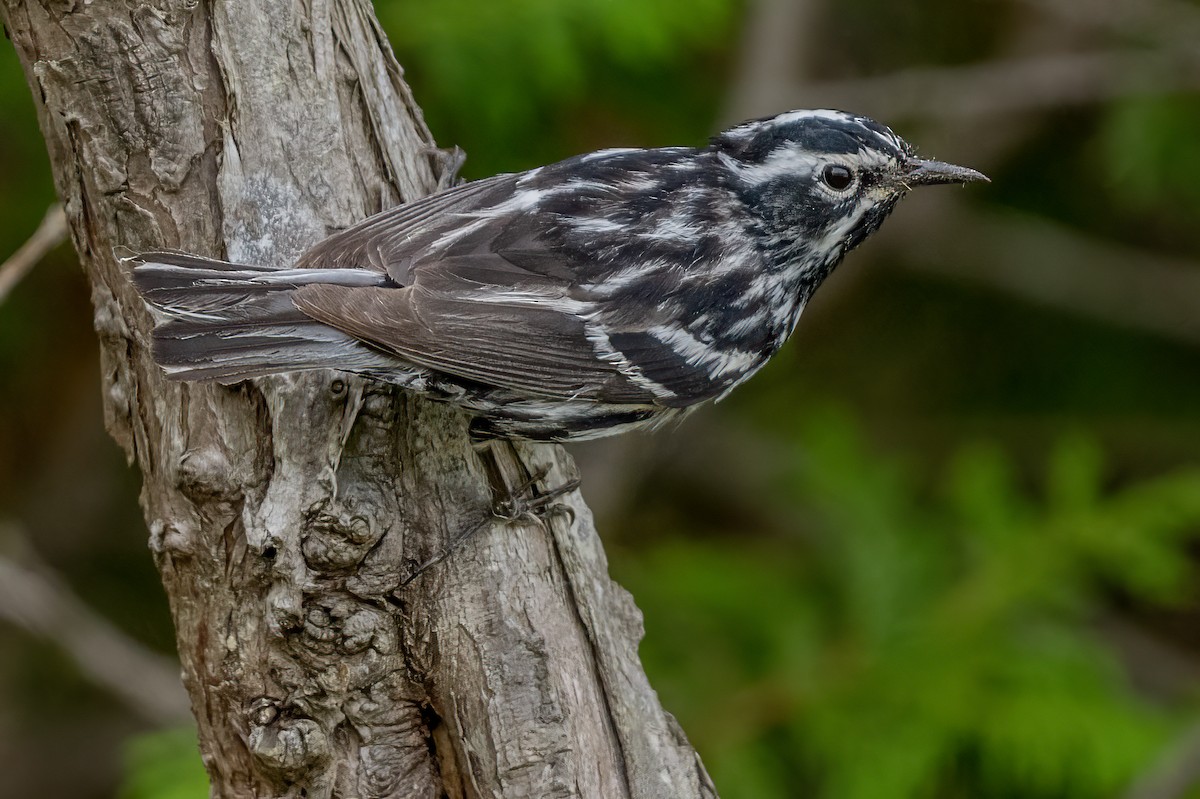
(502, 74)
(914, 645)
(1149, 147)
(164, 765)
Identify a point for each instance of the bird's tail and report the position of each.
(229, 322)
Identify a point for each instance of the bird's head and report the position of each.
(818, 183)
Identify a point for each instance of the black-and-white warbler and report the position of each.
(613, 290)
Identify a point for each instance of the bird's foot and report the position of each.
(448, 162)
(526, 503)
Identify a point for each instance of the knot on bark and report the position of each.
(345, 626)
(284, 745)
(337, 538)
(206, 475)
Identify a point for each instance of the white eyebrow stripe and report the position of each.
(796, 162)
(785, 161)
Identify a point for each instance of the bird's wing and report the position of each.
(386, 241)
(531, 350)
(482, 296)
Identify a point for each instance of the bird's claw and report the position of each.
(524, 502)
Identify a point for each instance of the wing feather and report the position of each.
(389, 240)
(529, 349)
(483, 293)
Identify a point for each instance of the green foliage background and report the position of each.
(906, 561)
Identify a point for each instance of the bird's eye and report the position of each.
(837, 177)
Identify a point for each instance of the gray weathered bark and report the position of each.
(286, 514)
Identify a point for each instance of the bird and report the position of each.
(611, 291)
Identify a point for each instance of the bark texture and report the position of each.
(286, 515)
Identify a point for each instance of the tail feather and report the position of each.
(226, 321)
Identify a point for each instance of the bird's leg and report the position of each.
(522, 501)
(448, 162)
(509, 504)
(450, 549)
(525, 502)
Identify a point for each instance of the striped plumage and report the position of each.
(612, 290)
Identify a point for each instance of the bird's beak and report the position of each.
(930, 173)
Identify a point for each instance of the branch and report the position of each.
(1051, 265)
(1171, 22)
(769, 75)
(770, 72)
(35, 599)
(1011, 85)
(49, 234)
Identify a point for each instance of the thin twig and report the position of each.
(49, 234)
(33, 598)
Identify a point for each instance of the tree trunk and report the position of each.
(287, 514)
